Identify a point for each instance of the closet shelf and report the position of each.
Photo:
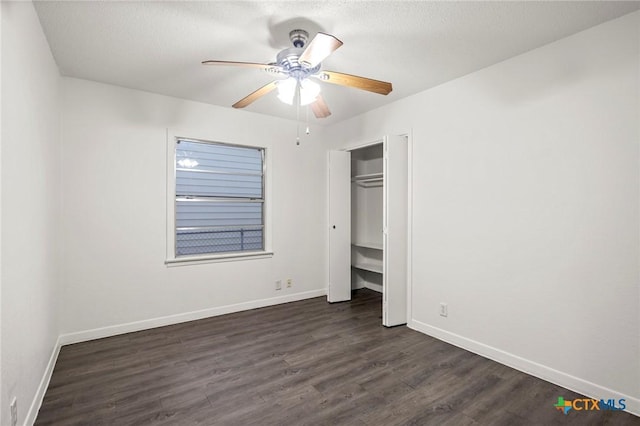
(369, 245)
(370, 179)
(372, 267)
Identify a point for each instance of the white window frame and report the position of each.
(171, 259)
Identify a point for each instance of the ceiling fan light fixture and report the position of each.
(309, 91)
(287, 90)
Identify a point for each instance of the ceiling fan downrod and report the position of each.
(298, 37)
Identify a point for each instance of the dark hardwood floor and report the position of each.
(302, 363)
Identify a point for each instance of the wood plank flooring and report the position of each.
(302, 363)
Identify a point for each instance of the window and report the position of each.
(219, 198)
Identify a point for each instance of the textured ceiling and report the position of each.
(158, 46)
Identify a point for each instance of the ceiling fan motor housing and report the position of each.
(288, 60)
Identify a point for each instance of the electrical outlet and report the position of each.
(444, 311)
(278, 285)
(13, 408)
(289, 283)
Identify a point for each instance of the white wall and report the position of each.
(526, 208)
(114, 211)
(30, 176)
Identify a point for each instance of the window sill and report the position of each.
(230, 257)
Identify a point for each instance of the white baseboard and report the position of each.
(370, 286)
(42, 387)
(113, 330)
(374, 287)
(576, 384)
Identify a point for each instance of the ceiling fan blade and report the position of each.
(363, 83)
(320, 47)
(247, 100)
(266, 67)
(320, 108)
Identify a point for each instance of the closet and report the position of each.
(368, 224)
(367, 184)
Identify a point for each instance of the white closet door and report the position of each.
(394, 283)
(339, 288)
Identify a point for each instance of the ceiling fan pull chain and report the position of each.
(297, 96)
(307, 112)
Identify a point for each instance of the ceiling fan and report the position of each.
(299, 65)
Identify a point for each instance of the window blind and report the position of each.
(219, 198)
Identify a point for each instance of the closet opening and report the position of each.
(368, 218)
